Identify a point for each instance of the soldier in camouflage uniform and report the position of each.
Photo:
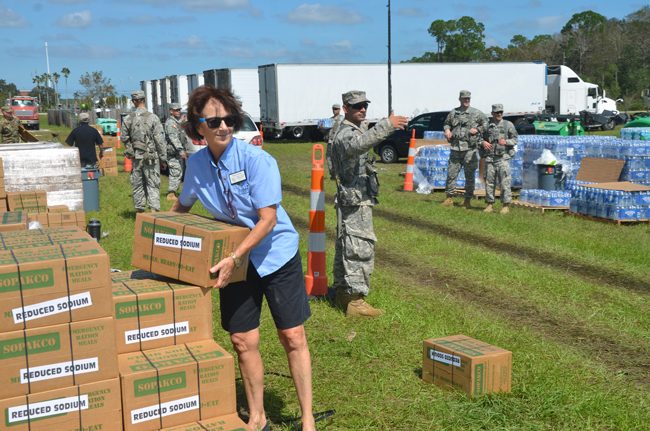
(500, 139)
(176, 142)
(464, 129)
(356, 194)
(9, 127)
(144, 143)
(328, 136)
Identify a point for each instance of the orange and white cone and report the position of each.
(118, 135)
(316, 278)
(408, 178)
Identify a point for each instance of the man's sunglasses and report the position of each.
(215, 122)
(359, 106)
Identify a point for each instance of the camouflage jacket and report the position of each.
(353, 165)
(460, 122)
(176, 137)
(143, 136)
(495, 131)
(9, 130)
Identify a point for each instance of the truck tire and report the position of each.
(609, 125)
(298, 132)
(388, 154)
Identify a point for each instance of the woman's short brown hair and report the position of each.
(200, 97)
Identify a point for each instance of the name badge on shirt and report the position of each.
(237, 177)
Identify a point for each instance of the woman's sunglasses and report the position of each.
(215, 122)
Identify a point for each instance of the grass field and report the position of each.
(569, 297)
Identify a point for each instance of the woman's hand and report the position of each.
(224, 269)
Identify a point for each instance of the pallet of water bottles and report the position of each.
(543, 200)
(619, 202)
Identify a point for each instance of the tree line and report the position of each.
(612, 53)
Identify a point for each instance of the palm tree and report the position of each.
(55, 80)
(66, 72)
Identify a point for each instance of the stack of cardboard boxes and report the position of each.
(173, 375)
(108, 162)
(57, 333)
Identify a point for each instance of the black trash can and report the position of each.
(550, 177)
(90, 183)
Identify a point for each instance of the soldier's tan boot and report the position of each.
(171, 196)
(505, 209)
(449, 202)
(467, 203)
(488, 209)
(353, 305)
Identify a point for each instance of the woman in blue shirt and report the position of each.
(240, 184)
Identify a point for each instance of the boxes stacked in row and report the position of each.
(25, 208)
(57, 333)
(172, 373)
(608, 200)
(546, 198)
(108, 162)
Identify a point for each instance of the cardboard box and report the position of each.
(110, 172)
(185, 246)
(600, 170)
(13, 220)
(625, 186)
(57, 208)
(42, 237)
(139, 274)
(3, 191)
(59, 218)
(221, 423)
(151, 314)
(109, 158)
(3, 203)
(467, 364)
(34, 201)
(91, 406)
(176, 385)
(53, 353)
(46, 285)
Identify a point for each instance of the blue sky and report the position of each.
(134, 40)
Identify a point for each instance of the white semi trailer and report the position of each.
(294, 97)
(243, 82)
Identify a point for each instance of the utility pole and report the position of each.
(390, 85)
(47, 83)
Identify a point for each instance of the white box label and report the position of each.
(445, 358)
(47, 408)
(164, 409)
(176, 241)
(62, 369)
(54, 306)
(156, 332)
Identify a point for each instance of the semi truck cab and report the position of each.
(26, 110)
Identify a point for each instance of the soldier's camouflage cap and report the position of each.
(7, 109)
(136, 95)
(497, 107)
(174, 106)
(354, 96)
(465, 93)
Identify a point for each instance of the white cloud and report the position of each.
(76, 19)
(317, 13)
(147, 20)
(9, 18)
(411, 12)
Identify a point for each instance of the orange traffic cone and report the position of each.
(118, 135)
(408, 179)
(128, 164)
(316, 278)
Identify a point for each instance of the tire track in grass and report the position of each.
(616, 355)
(592, 273)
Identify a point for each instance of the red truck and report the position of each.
(26, 110)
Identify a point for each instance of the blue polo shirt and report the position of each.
(244, 179)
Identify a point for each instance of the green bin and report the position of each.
(90, 183)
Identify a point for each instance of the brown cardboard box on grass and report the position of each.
(59, 218)
(151, 314)
(467, 364)
(51, 357)
(46, 285)
(13, 220)
(221, 423)
(185, 246)
(3, 203)
(88, 406)
(33, 201)
(176, 385)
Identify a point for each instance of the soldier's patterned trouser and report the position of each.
(175, 174)
(145, 185)
(354, 256)
(468, 160)
(498, 171)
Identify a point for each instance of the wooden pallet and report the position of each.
(480, 193)
(607, 220)
(538, 208)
